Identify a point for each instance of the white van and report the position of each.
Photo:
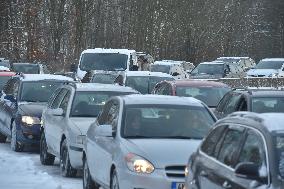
(106, 60)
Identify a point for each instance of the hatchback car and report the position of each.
(209, 92)
(65, 122)
(252, 100)
(21, 105)
(243, 150)
(144, 141)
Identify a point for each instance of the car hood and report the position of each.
(262, 72)
(163, 152)
(83, 123)
(31, 109)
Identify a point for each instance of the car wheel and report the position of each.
(114, 181)
(2, 138)
(65, 166)
(15, 146)
(88, 182)
(45, 157)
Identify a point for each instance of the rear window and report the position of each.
(268, 104)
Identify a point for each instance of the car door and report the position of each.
(50, 120)
(253, 150)
(104, 147)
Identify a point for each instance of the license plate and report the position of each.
(178, 185)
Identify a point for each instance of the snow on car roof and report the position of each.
(197, 83)
(103, 87)
(167, 62)
(213, 62)
(147, 73)
(233, 58)
(39, 77)
(272, 121)
(3, 68)
(273, 59)
(161, 99)
(101, 50)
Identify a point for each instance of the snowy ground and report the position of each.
(24, 171)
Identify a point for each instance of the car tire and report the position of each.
(15, 146)
(45, 157)
(65, 166)
(114, 184)
(2, 138)
(88, 182)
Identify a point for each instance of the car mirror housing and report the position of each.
(104, 131)
(57, 112)
(247, 170)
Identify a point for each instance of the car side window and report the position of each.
(52, 98)
(229, 148)
(210, 142)
(11, 87)
(166, 90)
(58, 99)
(223, 102)
(112, 116)
(160, 89)
(243, 105)
(231, 106)
(64, 102)
(253, 149)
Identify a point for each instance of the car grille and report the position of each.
(175, 171)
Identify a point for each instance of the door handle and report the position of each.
(227, 185)
(203, 174)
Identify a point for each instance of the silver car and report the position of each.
(144, 142)
(67, 118)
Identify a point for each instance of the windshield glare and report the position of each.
(104, 61)
(90, 103)
(3, 81)
(144, 84)
(209, 95)
(268, 104)
(26, 68)
(211, 69)
(166, 121)
(38, 91)
(269, 65)
(160, 68)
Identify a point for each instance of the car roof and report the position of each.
(40, 77)
(273, 59)
(213, 62)
(147, 73)
(102, 50)
(262, 92)
(197, 83)
(167, 62)
(103, 87)
(270, 122)
(7, 73)
(160, 99)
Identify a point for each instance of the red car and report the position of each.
(4, 77)
(209, 92)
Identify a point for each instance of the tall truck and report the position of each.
(106, 60)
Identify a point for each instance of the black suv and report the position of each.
(252, 100)
(243, 150)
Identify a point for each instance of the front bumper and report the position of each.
(29, 135)
(156, 180)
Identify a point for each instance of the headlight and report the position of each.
(138, 164)
(30, 120)
(80, 139)
(186, 171)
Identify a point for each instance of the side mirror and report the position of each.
(104, 131)
(57, 112)
(247, 170)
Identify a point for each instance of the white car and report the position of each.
(269, 67)
(144, 141)
(67, 118)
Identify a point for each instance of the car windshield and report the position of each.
(104, 78)
(160, 68)
(90, 103)
(38, 91)
(3, 81)
(211, 69)
(104, 61)
(279, 144)
(209, 95)
(144, 84)
(166, 121)
(269, 65)
(26, 68)
(268, 104)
